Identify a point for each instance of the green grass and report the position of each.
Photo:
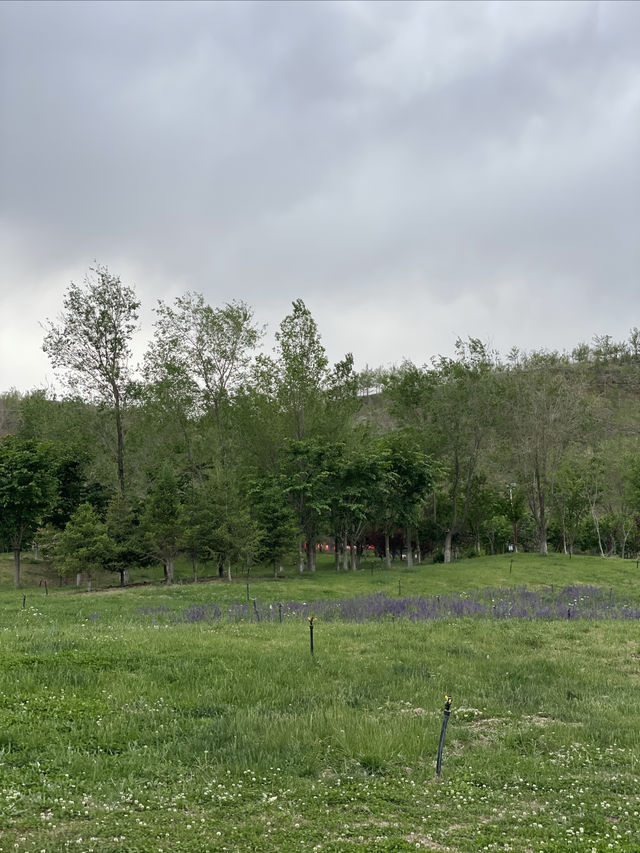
(121, 733)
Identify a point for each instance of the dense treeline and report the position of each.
(215, 450)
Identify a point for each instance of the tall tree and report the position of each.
(202, 353)
(545, 411)
(276, 522)
(308, 467)
(27, 489)
(127, 546)
(298, 378)
(161, 522)
(84, 545)
(450, 404)
(91, 343)
(306, 407)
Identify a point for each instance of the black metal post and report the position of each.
(445, 720)
(311, 618)
(255, 610)
(24, 601)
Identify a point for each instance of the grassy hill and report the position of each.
(137, 720)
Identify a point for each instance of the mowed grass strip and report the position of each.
(118, 733)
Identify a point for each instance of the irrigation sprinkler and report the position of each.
(311, 618)
(445, 720)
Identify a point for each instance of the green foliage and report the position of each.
(27, 491)
(253, 441)
(91, 341)
(275, 519)
(85, 545)
(161, 520)
(201, 354)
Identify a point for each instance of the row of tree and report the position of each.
(216, 450)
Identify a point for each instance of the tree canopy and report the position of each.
(237, 456)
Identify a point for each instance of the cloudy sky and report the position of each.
(414, 171)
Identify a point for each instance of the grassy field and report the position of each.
(127, 723)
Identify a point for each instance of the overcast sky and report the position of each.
(414, 171)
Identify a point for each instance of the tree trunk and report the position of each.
(345, 553)
(387, 551)
(409, 548)
(352, 554)
(300, 556)
(119, 439)
(16, 566)
(336, 554)
(542, 517)
(311, 554)
(194, 565)
(228, 565)
(169, 570)
(447, 546)
(597, 525)
(448, 540)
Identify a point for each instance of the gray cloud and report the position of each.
(413, 171)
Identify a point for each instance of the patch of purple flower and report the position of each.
(571, 602)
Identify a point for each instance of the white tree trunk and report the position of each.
(447, 547)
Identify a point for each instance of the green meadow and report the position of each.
(126, 727)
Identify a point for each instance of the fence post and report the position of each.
(311, 618)
(445, 720)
